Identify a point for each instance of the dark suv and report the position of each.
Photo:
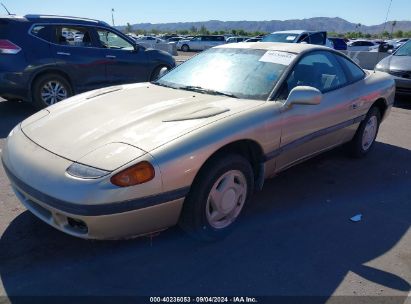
(45, 59)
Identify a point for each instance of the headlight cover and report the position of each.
(382, 67)
(85, 172)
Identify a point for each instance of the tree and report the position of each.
(129, 28)
(204, 31)
(193, 29)
(399, 34)
(234, 32)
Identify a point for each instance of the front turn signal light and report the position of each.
(136, 175)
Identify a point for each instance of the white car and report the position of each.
(236, 39)
(148, 41)
(200, 43)
(299, 36)
(362, 46)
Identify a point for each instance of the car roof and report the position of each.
(275, 46)
(298, 32)
(55, 19)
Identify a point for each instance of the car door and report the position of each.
(81, 59)
(310, 129)
(318, 38)
(125, 62)
(195, 43)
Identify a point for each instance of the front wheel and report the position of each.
(217, 198)
(50, 89)
(159, 72)
(366, 134)
(185, 48)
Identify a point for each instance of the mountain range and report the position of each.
(338, 25)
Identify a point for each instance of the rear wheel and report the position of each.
(50, 89)
(366, 134)
(217, 198)
(185, 48)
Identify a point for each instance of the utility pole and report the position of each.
(112, 16)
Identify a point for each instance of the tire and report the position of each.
(185, 48)
(45, 84)
(217, 197)
(367, 132)
(155, 75)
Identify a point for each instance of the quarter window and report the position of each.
(320, 70)
(353, 70)
(43, 32)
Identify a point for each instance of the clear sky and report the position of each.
(367, 12)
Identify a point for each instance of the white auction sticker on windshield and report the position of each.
(291, 38)
(278, 57)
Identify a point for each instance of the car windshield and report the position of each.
(405, 50)
(240, 73)
(283, 37)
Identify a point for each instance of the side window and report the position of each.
(353, 70)
(303, 38)
(111, 40)
(320, 70)
(317, 38)
(357, 43)
(43, 31)
(74, 36)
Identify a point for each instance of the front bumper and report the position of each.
(85, 209)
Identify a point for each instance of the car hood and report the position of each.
(144, 116)
(400, 63)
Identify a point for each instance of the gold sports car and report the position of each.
(193, 146)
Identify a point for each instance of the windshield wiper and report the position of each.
(206, 91)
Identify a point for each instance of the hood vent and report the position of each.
(199, 114)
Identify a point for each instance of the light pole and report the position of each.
(112, 16)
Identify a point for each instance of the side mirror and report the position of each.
(304, 95)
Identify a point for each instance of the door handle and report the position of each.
(111, 57)
(63, 54)
(354, 106)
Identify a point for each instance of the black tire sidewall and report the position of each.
(196, 202)
(185, 48)
(41, 81)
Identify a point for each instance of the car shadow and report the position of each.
(295, 238)
(11, 114)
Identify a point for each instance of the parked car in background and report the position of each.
(39, 64)
(299, 36)
(174, 39)
(192, 147)
(399, 66)
(255, 39)
(236, 39)
(339, 44)
(149, 41)
(200, 43)
(362, 45)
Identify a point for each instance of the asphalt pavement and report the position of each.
(295, 238)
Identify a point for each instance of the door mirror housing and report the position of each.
(137, 47)
(304, 95)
